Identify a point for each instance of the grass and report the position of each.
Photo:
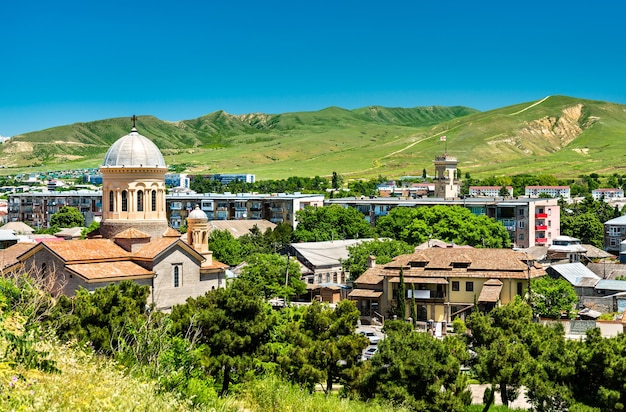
(361, 143)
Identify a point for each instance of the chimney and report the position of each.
(371, 262)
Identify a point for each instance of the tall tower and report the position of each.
(446, 179)
(133, 187)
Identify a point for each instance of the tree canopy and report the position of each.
(317, 224)
(383, 249)
(448, 223)
(67, 216)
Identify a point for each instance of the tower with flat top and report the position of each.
(446, 179)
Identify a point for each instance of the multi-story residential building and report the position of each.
(414, 190)
(489, 191)
(529, 221)
(608, 194)
(552, 191)
(275, 207)
(226, 178)
(614, 234)
(36, 208)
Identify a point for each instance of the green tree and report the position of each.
(503, 359)
(335, 350)
(67, 216)
(225, 247)
(552, 297)
(417, 370)
(383, 249)
(99, 317)
(504, 192)
(401, 298)
(331, 222)
(274, 275)
(232, 324)
(449, 223)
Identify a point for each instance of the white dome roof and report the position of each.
(197, 213)
(133, 150)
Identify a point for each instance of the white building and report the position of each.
(552, 191)
(608, 194)
(489, 191)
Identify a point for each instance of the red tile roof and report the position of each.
(88, 250)
(110, 271)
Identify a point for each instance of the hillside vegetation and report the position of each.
(557, 135)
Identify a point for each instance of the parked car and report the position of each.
(369, 352)
(373, 337)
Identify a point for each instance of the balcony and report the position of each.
(541, 240)
(541, 215)
(541, 227)
(509, 224)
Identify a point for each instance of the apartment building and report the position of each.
(552, 191)
(489, 191)
(608, 194)
(36, 208)
(275, 207)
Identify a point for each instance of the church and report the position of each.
(134, 241)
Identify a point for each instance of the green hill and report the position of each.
(559, 135)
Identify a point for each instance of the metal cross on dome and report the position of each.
(134, 119)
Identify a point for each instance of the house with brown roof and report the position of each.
(134, 241)
(445, 282)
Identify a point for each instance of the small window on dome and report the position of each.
(124, 201)
(140, 201)
(111, 201)
(154, 200)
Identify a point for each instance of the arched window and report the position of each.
(140, 201)
(43, 267)
(176, 277)
(111, 204)
(153, 201)
(124, 201)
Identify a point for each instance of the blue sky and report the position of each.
(63, 62)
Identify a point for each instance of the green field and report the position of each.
(563, 136)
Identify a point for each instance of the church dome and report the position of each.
(197, 213)
(133, 150)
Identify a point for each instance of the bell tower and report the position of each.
(446, 179)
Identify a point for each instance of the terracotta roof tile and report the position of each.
(156, 246)
(108, 271)
(132, 233)
(88, 249)
(8, 256)
(171, 232)
(215, 264)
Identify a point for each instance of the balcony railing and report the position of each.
(541, 215)
(541, 240)
(541, 227)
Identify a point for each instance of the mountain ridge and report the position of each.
(556, 134)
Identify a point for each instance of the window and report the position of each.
(520, 288)
(111, 204)
(521, 236)
(549, 223)
(521, 224)
(140, 201)
(124, 201)
(154, 200)
(469, 286)
(455, 285)
(177, 275)
(521, 212)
